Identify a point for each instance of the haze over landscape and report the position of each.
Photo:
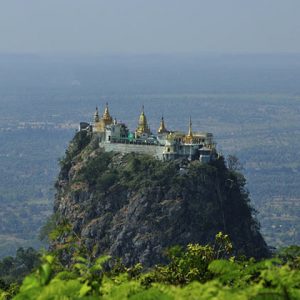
(253, 113)
(232, 66)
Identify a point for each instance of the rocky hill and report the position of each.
(133, 206)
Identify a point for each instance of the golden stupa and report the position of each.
(106, 119)
(162, 128)
(142, 125)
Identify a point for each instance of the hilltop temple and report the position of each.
(164, 145)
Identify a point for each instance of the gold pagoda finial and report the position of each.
(106, 115)
(189, 137)
(142, 125)
(143, 119)
(190, 133)
(96, 115)
(162, 128)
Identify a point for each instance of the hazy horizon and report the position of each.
(145, 27)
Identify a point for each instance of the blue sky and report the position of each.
(149, 26)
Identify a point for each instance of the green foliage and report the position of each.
(291, 255)
(137, 172)
(79, 142)
(76, 282)
(63, 229)
(70, 246)
(94, 170)
(198, 272)
(106, 180)
(49, 227)
(145, 171)
(192, 264)
(14, 269)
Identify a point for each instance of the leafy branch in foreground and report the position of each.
(198, 272)
(191, 264)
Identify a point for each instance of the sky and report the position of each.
(149, 26)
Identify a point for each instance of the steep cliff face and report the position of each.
(133, 206)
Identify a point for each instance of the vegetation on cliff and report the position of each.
(133, 206)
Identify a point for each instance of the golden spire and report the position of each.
(162, 128)
(106, 117)
(143, 119)
(190, 133)
(142, 125)
(189, 137)
(96, 115)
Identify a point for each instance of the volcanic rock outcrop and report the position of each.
(134, 207)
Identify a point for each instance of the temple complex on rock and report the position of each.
(164, 145)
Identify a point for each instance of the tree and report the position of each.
(233, 163)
